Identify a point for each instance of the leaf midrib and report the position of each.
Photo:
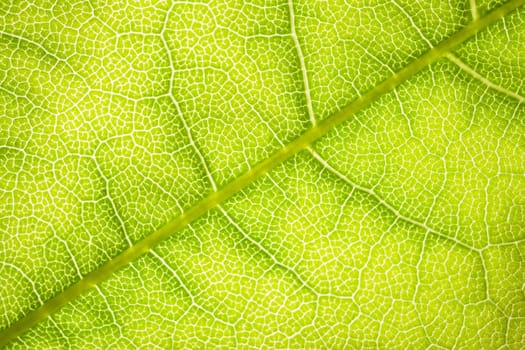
(314, 133)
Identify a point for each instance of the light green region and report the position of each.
(313, 222)
(485, 6)
(239, 87)
(232, 174)
(455, 167)
(351, 47)
(106, 59)
(505, 281)
(445, 18)
(130, 16)
(498, 54)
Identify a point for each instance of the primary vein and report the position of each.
(93, 278)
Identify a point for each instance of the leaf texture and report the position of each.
(227, 174)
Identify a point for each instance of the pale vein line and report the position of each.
(302, 63)
(277, 263)
(66, 338)
(385, 204)
(63, 241)
(22, 39)
(514, 243)
(187, 291)
(25, 277)
(45, 50)
(175, 274)
(106, 302)
(407, 15)
(455, 59)
(108, 196)
(64, 61)
(71, 256)
(176, 104)
(474, 10)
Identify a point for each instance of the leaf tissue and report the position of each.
(290, 174)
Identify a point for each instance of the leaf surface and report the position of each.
(314, 174)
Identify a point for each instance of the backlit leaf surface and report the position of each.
(209, 145)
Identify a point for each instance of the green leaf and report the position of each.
(267, 174)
